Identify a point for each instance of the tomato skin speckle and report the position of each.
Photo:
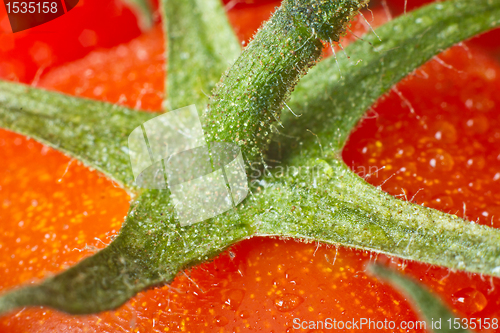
(53, 208)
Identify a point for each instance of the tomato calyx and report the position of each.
(335, 194)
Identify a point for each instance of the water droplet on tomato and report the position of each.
(221, 321)
(469, 300)
(279, 282)
(290, 276)
(244, 314)
(440, 160)
(476, 163)
(445, 132)
(442, 202)
(288, 302)
(233, 298)
(477, 125)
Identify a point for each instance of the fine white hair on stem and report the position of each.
(192, 281)
(445, 64)
(38, 74)
(400, 195)
(371, 12)
(385, 181)
(65, 171)
(413, 197)
(319, 142)
(336, 60)
(99, 240)
(446, 276)
(231, 4)
(387, 10)
(492, 285)
(335, 258)
(466, 48)
(373, 173)
(344, 51)
(277, 119)
(371, 111)
(370, 26)
(292, 111)
(406, 101)
(317, 247)
(361, 39)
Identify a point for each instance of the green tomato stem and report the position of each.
(246, 105)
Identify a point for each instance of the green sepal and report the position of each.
(144, 12)
(93, 132)
(424, 302)
(322, 200)
(201, 45)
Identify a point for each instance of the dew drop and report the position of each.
(233, 298)
(244, 314)
(440, 160)
(442, 202)
(476, 162)
(469, 300)
(288, 302)
(279, 282)
(221, 321)
(477, 125)
(445, 132)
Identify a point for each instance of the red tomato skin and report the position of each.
(249, 287)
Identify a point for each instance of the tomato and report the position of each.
(26, 55)
(432, 134)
